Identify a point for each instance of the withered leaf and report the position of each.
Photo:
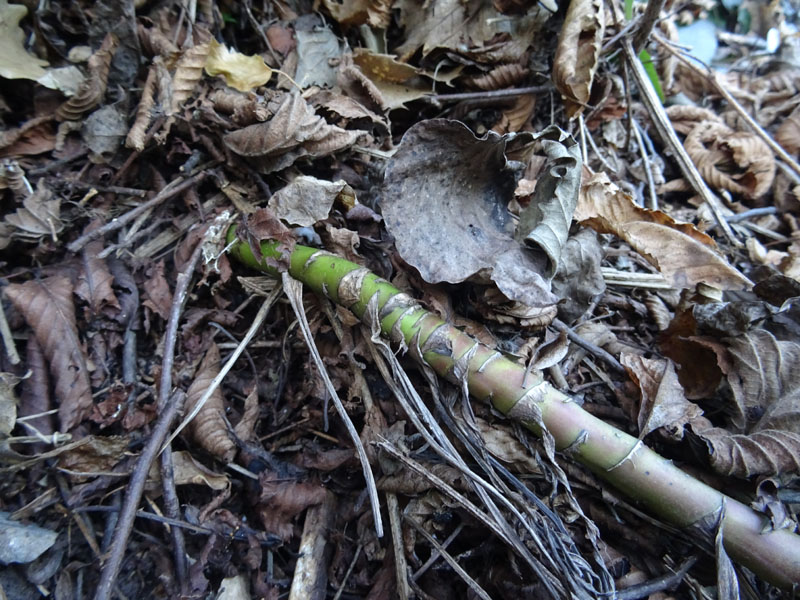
(766, 410)
(157, 295)
(684, 255)
(48, 308)
(293, 131)
(307, 199)
(208, 428)
(462, 185)
(281, 500)
(95, 280)
(579, 45)
(39, 216)
(663, 403)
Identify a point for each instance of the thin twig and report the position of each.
(651, 14)
(8, 338)
(588, 346)
(510, 93)
(174, 188)
(133, 496)
(651, 186)
(670, 138)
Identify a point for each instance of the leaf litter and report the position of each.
(425, 142)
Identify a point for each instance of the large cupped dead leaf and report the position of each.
(765, 380)
(445, 201)
(578, 51)
(49, 310)
(683, 255)
(293, 131)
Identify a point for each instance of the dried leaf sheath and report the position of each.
(613, 455)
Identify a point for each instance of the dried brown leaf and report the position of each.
(663, 403)
(788, 134)
(766, 411)
(281, 500)
(32, 137)
(502, 76)
(95, 280)
(93, 89)
(246, 427)
(245, 109)
(189, 72)
(684, 255)
(99, 455)
(157, 295)
(48, 308)
(186, 469)
(39, 216)
(375, 13)
(736, 161)
(577, 54)
(294, 131)
(307, 199)
(208, 428)
(136, 134)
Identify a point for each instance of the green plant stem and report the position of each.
(665, 490)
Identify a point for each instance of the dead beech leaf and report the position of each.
(293, 131)
(307, 199)
(462, 184)
(157, 295)
(95, 280)
(189, 71)
(683, 255)
(788, 133)
(187, 470)
(48, 309)
(240, 71)
(375, 13)
(663, 403)
(502, 444)
(281, 500)
(737, 161)
(208, 428)
(39, 216)
(97, 456)
(766, 411)
(93, 88)
(576, 60)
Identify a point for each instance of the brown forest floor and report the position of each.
(657, 291)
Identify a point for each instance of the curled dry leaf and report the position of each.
(188, 470)
(245, 109)
(463, 185)
(208, 428)
(375, 13)
(95, 280)
(189, 72)
(766, 387)
(788, 134)
(736, 161)
(136, 135)
(39, 216)
(502, 76)
(281, 500)
(684, 255)
(93, 89)
(307, 199)
(294, 131)
(48, 308)
(663, 403)
(240, 71)
(579, 45)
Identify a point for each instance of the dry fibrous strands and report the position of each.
(93, 89)
(208, 428)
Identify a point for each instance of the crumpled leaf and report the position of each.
(766, 411)
(208, 428)
(375, 13)
(8, 415)
(684, 255)
(95, 280)
(240, 71)
(317, 48)
(103, 131)
(187, 470)
(98, 455)
(663, 403)
(293, 131)
(15, 61)
(281, 499)
(462, 185)
(577, 54)
(48, 309)
(307, 199)
(93, 88)
(21, 542)
(39, 216)
(579, 279)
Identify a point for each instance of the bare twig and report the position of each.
(174, 188)
(670, 138)
(310, 573)
(651, 14)
(8, 339)
(588, 346)
(510, 93)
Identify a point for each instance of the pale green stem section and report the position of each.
(613, 455)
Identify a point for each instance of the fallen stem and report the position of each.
(620, 459)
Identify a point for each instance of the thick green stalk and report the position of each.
(617, 457)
